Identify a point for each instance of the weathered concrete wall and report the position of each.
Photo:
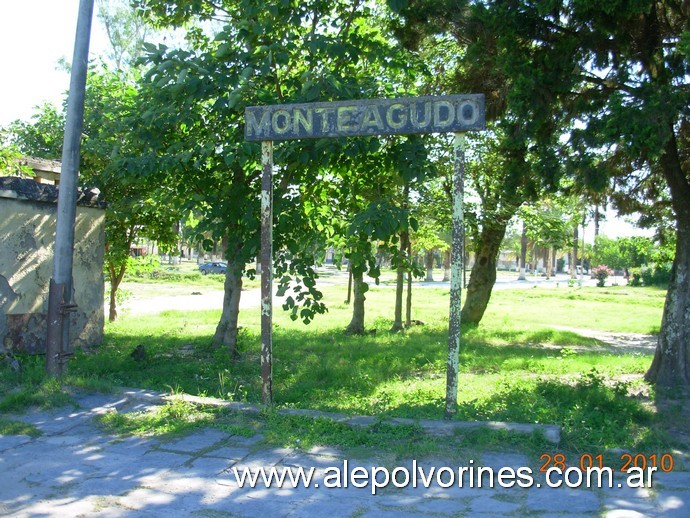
(27, 239)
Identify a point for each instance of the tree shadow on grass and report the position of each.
(593, 414)
(385, 374)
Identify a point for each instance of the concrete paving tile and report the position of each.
(453, 493)
(309, 460)
(492, 506)
(638, 505)
(209, 466)
(156, 460)
(443, 506)
(105, 486)
(228, 452)
(96, 403)
(325, 450)
(262, 503)
(144, 498)
(327, 506)
(626, 513)
(7, 442)
(60, 507)
(502, 460)
(562, 500)
(238, 440)
(62, 441)
(111, 511)
(264, 458)
(90, 472)
(177, 482)
(626, 492)
(16, 494)
(196, 441)
(215, 495)
(53, 470)
(675, 479)
(128, 446)
(54, 421)
(674, 502)
(398, 500)
(380, 513)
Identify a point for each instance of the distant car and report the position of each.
(213, 267)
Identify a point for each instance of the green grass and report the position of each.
(11, 427)
(30, 388)
(515, 366)
(617, 309)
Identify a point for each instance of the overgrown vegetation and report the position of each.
(11, 427)
(515, 367)
(177, 417)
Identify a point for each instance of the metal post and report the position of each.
(266, 272)
(57, 345)
(455, 276)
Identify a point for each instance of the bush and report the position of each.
(635, 277)
(656, 275)
(600, 273)
(142, 266)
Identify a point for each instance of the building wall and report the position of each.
(27, 239)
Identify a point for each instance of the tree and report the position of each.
(502, 174)
(135, 207)
(608, 252)
(42, 135)
(261, 54)
(632, 94)
(620, 69)
(547, 227)
(520, 158)
(126, 32)
(11, 158)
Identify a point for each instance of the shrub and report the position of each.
(655, 275)
(600, 273)
(635, 277)
(141, 266)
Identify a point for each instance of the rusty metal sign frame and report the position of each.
(453, 113)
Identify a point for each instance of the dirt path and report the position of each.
(620, 342)
(148, 299)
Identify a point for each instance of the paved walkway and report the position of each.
(76, 469)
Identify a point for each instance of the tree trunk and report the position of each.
(573, 261)
(549, 262)
(408, 304)
(523, 253)
(226, 331)
(596, 228)
(483, 274)
(446, 266)
(356, 326)
(429, 263)
(115, 280)
(349, 283)
(400, 285)
(671, 364)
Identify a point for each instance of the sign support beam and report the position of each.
(267, 272)
(362, 118)
(456, 261)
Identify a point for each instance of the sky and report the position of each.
(36, 34)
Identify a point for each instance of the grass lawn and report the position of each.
(516, 366)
